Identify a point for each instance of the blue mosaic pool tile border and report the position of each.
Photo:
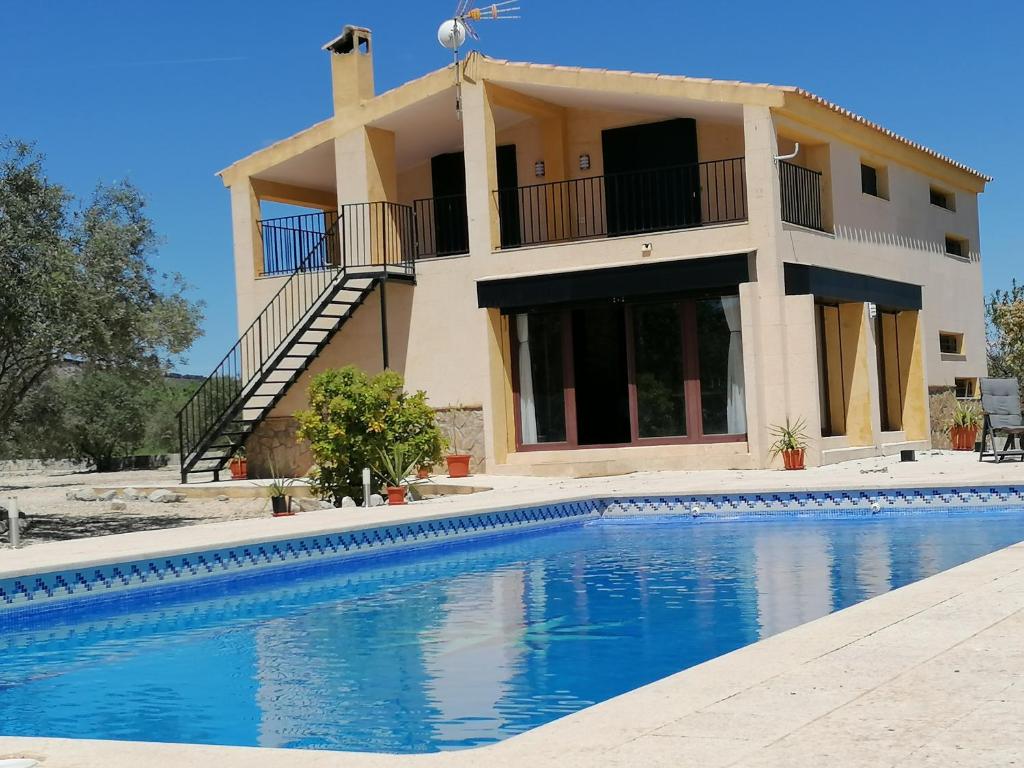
(795, 503)
(39, 589)
(106, 581)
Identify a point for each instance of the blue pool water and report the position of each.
(460, 645)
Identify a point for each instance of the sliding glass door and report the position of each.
(629, 373)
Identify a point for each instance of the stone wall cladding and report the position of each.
(464, 428)
(274, 444)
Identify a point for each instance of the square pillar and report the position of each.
(248, 249)
(481, 168)
(859, 378)
(916, 418)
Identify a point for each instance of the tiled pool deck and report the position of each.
(930, 674)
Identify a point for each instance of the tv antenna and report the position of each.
(453, 32)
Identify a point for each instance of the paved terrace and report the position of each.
(928, 675)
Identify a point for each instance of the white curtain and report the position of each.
(735, 408)
(527, 405)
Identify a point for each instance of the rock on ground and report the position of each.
(164, 496)
(311, 504)
(81, 494)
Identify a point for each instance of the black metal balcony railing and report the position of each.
(801, 195)
(291, 243)
(442, 226)
(656, 200)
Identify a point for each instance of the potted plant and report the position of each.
(277, 490)
(394, 467)
(964, 425)
(790, 442)
(239, 464)
(458, 463)
(423, 471)
(280, 500)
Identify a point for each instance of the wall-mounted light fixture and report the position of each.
(584, 162)
(538, 169)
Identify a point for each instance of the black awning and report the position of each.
(663, 277)
(834, 285)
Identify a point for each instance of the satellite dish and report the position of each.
(452, 34)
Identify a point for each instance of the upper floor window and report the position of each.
(951, 343)
(942, 198)
(957, 246)
(874, 181)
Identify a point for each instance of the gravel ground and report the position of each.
(41, 496)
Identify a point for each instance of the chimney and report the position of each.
(351, 67)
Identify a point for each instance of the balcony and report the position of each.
(288, 240)
(800, 189)
(442, 226)
(364, 234)
(658, 200)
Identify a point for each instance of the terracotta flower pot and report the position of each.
(963, 438)
(239, 469)
(458, 465)
(793, 458)
(281, 506)
(422, 473)
(396, 495)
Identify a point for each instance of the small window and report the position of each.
(874, 181)
(965, 388)
(941, 198)
(868, 180)
(956, 246)
(951, 343)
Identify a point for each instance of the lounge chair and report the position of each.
(1000, 400)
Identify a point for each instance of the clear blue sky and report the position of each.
(166, 94)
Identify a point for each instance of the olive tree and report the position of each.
(1004, 313)
(77, 283)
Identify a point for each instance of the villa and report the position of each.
(598, 271)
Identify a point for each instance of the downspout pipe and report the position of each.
(791, 155)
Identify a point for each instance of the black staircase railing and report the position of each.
(366, 239)
(800, 189)
(294, 242)
(442, 226)
(660, 199)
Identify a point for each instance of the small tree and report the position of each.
(93, 414)
(353, 418)
(1004, 313)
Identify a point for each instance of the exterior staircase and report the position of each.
(362, 245)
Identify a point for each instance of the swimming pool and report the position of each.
(457, 645)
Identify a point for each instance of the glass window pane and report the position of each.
(658, 341)
(541, 395)
(720, 350)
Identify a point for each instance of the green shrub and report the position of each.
(353, 418)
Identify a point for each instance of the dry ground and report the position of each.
(41, 495)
